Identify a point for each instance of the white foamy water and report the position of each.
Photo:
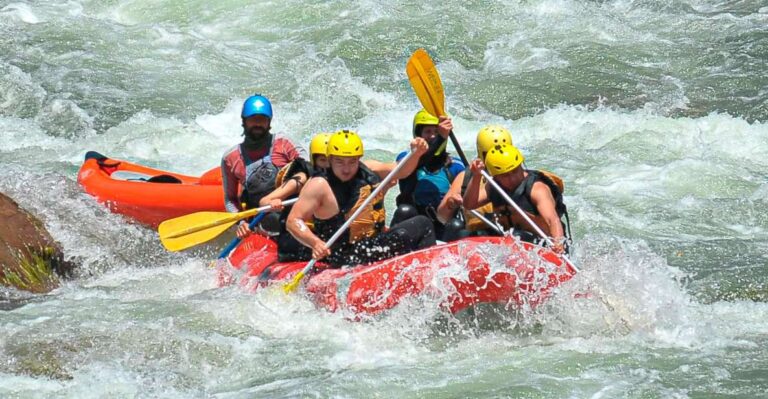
(653, 113)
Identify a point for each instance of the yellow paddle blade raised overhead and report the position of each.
(426, 83)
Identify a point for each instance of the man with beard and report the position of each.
(254, 163)
(424, 191)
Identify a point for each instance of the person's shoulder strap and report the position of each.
(526, 185)
(368, 175)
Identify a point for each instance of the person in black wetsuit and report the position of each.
(329, 199)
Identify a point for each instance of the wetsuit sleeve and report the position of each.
(229, 186)
(285, 152)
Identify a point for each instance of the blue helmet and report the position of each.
(256, 105)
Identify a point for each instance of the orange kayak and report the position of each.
(456, 275)
(149, 195)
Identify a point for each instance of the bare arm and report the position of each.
(382, 169)
(290, 187)
(475, 196)
(418, 146)
(303, 210)
(542, 199)
(451, 201)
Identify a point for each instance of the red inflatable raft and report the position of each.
(148, 195)
(459, 274)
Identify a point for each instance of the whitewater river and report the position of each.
(654, 112)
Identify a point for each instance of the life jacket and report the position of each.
(471, 222)
(431, 186)
(425, 189)
(349, 197)
(260, 176)
(509, 218)
(286, 173)
(289, 171)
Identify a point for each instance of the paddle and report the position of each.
(426, 83)
(290, 287)
(236, 241)
(189, 230)
(485, 220)
(525, 216)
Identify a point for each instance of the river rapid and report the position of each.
(653, 112)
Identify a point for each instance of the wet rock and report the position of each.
(30, 259)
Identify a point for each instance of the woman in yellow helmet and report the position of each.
(317, 150)
(330, 198)
(422, 192)
(538, 195)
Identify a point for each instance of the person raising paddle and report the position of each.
(534, 191)
(254, 163)
(423, 192)
(330, 198)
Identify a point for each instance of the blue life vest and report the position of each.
(426, 189)
(431, 187)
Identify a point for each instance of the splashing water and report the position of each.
(653, 113)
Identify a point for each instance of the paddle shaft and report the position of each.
(235, 217)
(486, 221)
(236, 241)
(458, 149)
(522, 213)
(382, 186)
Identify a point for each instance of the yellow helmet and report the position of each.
(345, 143)
(502, 159)
(423, 118)
(491, 136)
(318, 146)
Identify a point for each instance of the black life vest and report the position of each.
(522, 197)
(349, 196)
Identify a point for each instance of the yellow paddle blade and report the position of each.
(290, 287)
(426, 83)
(198, 237)
(189, 230)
